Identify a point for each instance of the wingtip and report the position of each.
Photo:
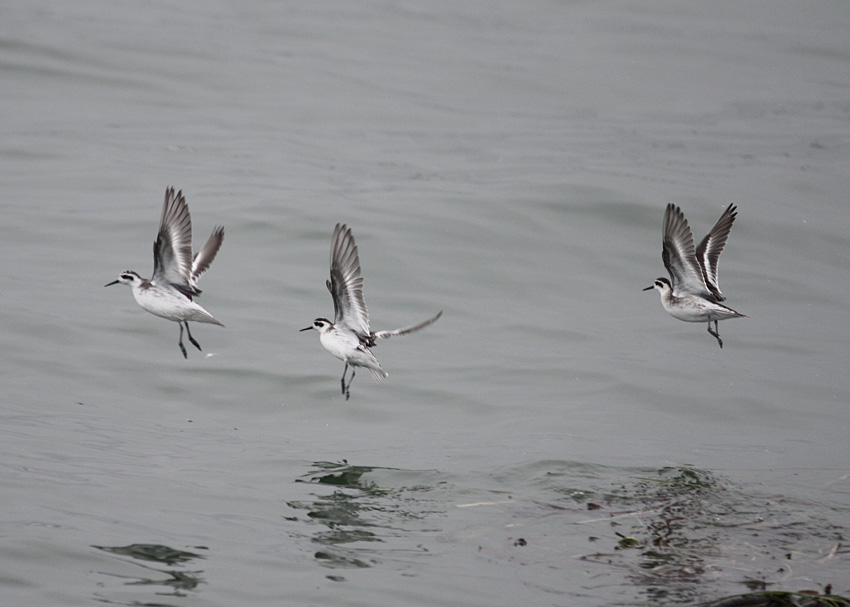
(171, 195)
(671, 209)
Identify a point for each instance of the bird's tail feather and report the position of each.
(378, 374)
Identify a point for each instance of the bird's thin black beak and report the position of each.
(649, 287)
(305, 329)
(114, 282)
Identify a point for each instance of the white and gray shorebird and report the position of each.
(170, 291)
(349, 337)
(692, 293)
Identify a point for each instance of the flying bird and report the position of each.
(692, 294)
(349, 336)
(170, 292)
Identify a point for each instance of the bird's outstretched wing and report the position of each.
(406, 330)
(709, 250)
(679, 255)
(172, 251)
(206, 255)
(346, 284)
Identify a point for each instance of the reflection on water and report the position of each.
(513, 159)
(671, 535)
(679, 529)
(176, 582)
(360, 511)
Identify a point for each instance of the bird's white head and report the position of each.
(662, 285)
(127, 277)
(322, 325)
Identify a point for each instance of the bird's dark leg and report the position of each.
(342, 381)
(192, 339)
(348, 389)
(180, 342)
(715, 333)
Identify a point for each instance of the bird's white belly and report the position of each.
(160, 305)
(692, 309)
(341, 346)
(171, 306)
(688, 310)
(348, 349)
(336, 346)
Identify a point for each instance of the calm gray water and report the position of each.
(508, 163)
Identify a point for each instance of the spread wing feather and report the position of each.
(709, 250)
(204, 257)
(346, 284)
(172, 251)
(679, 255)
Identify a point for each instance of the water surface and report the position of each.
(507, 163)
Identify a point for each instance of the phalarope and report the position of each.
(170, 290)
(349, 337)
(692, 293)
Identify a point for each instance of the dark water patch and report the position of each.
(340, 474)
(673, 535)
(152, 552)
(780, 599)
(165, 582)
(681, 532)
(371, 514)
